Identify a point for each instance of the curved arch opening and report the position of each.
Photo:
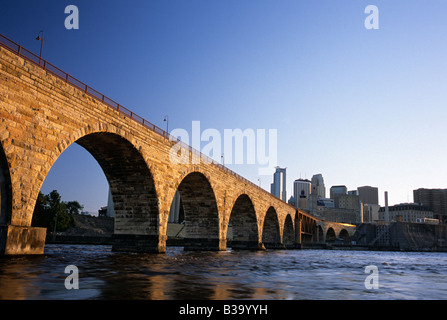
(128, 181)
(289, 233)
(244, 224)
(5, 190)
(330, 235)
(131, 183)
(200, 212)
(270, 233)
(344, 234)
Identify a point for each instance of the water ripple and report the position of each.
(286, 274)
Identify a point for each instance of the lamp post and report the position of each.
(167, 123)
(40, 38)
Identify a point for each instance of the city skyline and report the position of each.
(361, 107)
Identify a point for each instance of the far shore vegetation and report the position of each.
(50, 210)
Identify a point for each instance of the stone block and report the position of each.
(17, 240)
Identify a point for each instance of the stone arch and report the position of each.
(330, 235)
(289, 233)
(201, 213)
(171, 187)
(344, 234)
(131, 184)
(5, 189)
(271, 237)
(244, 224)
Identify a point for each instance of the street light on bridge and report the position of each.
(167, 123)
(40, 38)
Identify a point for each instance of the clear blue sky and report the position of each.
(362, 107)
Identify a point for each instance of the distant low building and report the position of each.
(337, 215)
(435, 199)
(102, 212)
(326, 202)
(407, 212)
(371, 212)
(347, 210)
(292, 201)
(349, 201)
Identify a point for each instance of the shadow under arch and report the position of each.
(330, 235)
(132, 188)
(244, 224)
(5, 190)
(200, 213)
(289, 233)
(271, 237)
(344, 234)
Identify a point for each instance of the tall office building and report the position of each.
(435, 199)
(278, 187)
(369, 195)
(318, 185)
(301, 187)
(337, 191)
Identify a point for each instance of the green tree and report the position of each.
(50, 210)
(73, 207)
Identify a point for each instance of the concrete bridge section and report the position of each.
(44, 110)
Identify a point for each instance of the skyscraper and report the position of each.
(301, 187)
(336, 192)
(369, 195)
(318, 185)
(278, 187)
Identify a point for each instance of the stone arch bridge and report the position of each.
(44, 110)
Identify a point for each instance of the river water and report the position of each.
(178, 275)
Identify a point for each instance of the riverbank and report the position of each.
(87, 230)
(99, 230)
(394, 237)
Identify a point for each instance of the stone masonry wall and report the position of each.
(41, 115)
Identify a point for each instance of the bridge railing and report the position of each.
(28, 55)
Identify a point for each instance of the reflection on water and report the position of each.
(285, 274)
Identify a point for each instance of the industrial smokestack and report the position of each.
(387, 210)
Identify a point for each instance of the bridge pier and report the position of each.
(18, 240)
(139, 243)
(298, 238)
